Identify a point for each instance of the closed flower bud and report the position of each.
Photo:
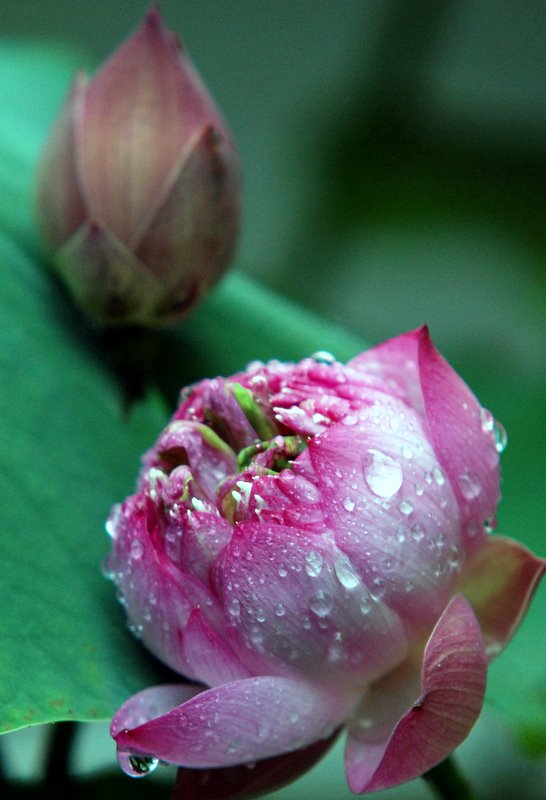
(309, 544)
(138, 185)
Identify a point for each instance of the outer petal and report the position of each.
(105, 277)
(461, 437)
(236, 723)
(499, 583)
(391, 508)
(459, 429)
(145, 99)
(295, 604)
(453, 684)
(207, 655)
(158, 597)
(193, 230)
(395, 363)
(249, 780)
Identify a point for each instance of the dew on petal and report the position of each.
(417, 532)
(137, 549)
(501, 437)
(345, 572)
(383, 474)
(469, 485)
(438, 476)
(321, 603)
(313, 563)
(405, 507)
(323, 357)
(349, 505)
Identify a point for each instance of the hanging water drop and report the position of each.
(137, 766)
(501, 437)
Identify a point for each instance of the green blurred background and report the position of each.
(394, 156)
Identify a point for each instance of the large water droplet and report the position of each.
(321, 603)
(136, 766)
(349, 505)
(469, 485)
(313, 563)
(382, 473)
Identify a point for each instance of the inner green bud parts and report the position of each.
(252, 411)
(276, 454)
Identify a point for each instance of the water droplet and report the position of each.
(234, 608)
(260, 615)
(489, 524)
(323, 357)
(501, 437)
(280, 610)
(382, 473)
(137, 549)
(401, 535)
(417, 532)
(321, 603)
(348, 504)
(469, 485)
(407, 452)
(487, 420)
(350, 420)
(378, 589)
(313, 563)
(365, 605)
(345, 572)
(136, 766)
(405, 507)
(438, 476)
(282, 572)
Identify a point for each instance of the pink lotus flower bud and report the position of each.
(309, 545)
(137, 190)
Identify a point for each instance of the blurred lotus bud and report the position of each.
(138, 185)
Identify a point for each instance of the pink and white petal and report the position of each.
(158, 598)
(499, 583)
(462, 439)
(453, 678)
(392, 511)
(395, 363)
(237, 723)
(296, 605)
(249, 780)
(207, 655)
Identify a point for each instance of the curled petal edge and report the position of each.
(453, 679)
